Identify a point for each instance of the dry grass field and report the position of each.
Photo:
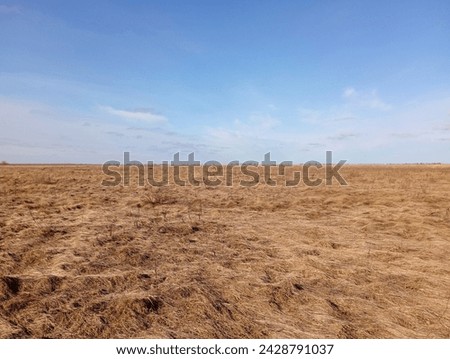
(367, 260)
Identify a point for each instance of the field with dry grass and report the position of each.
(367, 260)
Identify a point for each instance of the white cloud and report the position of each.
(142, 114)
(343, 136)
(415, 132)
(257, 123)
(405, 135)
(369, 100)
(59, 135)
(310, 116)
(326, 117)
(349, 92)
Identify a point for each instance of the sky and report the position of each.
(86, 81)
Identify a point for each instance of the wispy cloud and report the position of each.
(405, 135)
(257, 123)
(365, 99)
(114, 133)
(256, 129)
(326, 116)
(349, 92)
(138, 114)
(59, 135)
(343, 136)
(367, 130)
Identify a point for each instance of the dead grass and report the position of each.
(370, 260)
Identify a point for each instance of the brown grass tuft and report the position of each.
(369, 260)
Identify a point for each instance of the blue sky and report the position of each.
(82, 82)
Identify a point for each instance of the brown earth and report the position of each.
(366, 260)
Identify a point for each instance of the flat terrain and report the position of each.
(366, 260)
